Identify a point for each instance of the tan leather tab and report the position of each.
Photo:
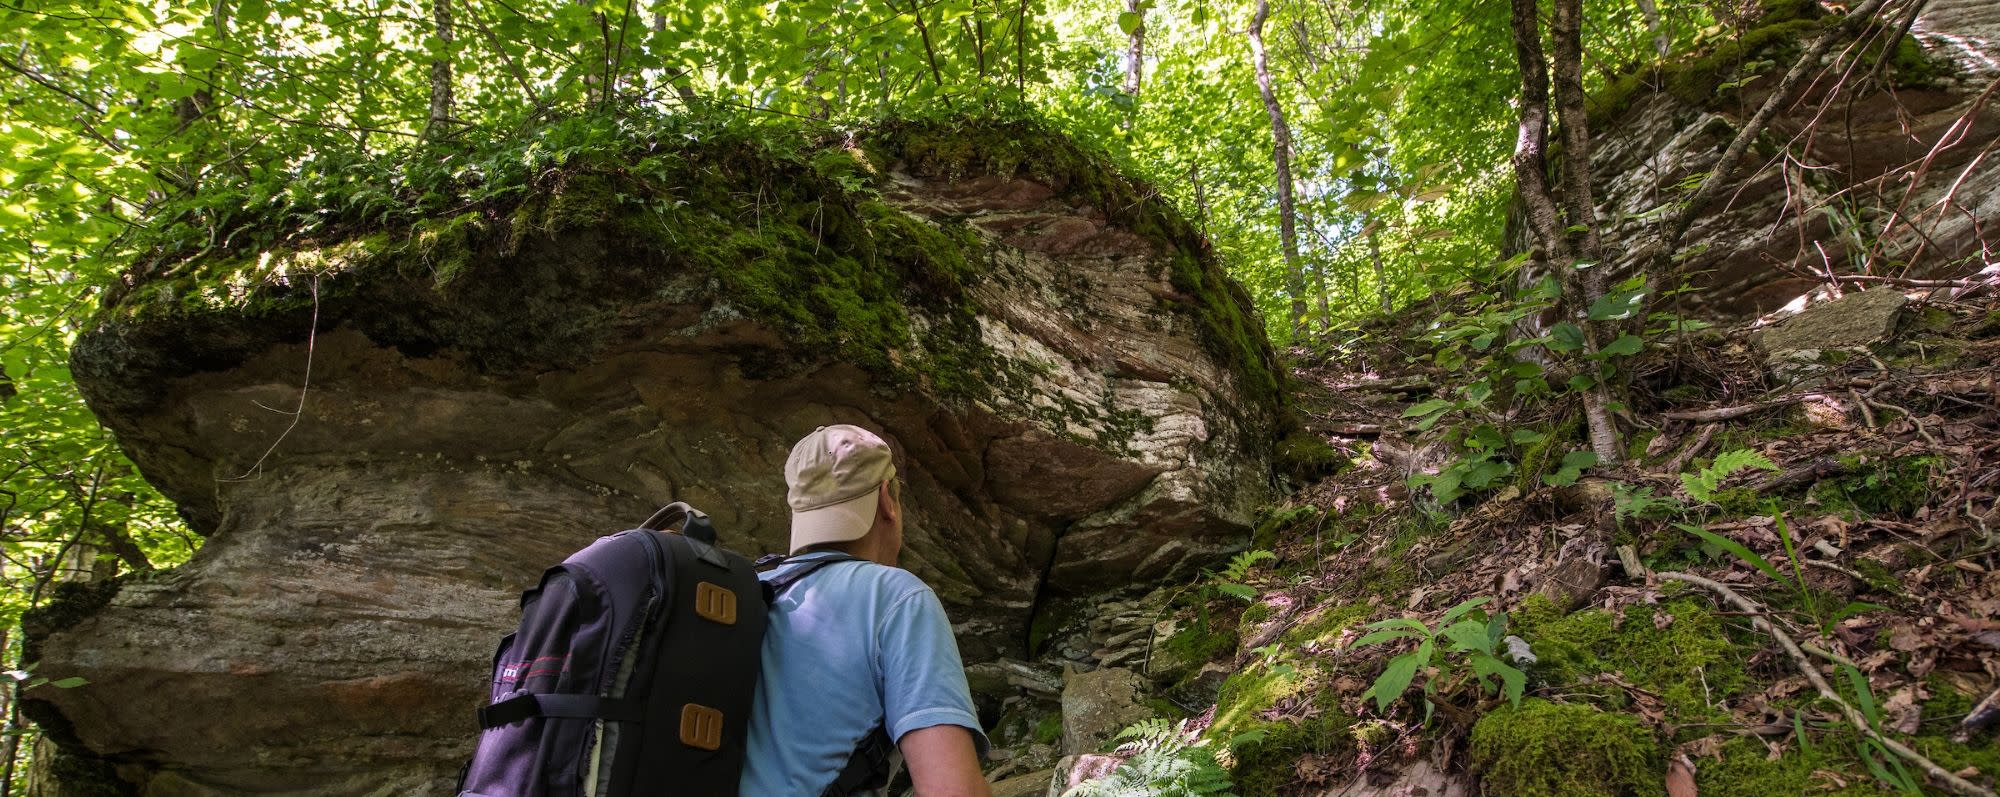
(701, 727)
(715, 603)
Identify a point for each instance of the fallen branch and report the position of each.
(1728, 413)
(1686, 455)
(1629, 556)
(1982, 715)
(1817, 469)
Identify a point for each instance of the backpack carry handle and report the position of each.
(683, 519)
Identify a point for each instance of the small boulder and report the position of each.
(1097, 704)
(1854, 321)
(1033, 784)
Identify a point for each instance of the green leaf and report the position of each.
(1129, 21)
(1428, 407)
(1513, 682)
(1625, 346)
(1467, 635)
(1566, 337)
(1380, 637)
(1462, 608)
(1395, 679)
(1735, 549)
(68, 683)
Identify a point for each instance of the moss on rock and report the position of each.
(1545, 749)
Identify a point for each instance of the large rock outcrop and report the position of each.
(1079, 397)
(1907, 148)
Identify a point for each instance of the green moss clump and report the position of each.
(1692, 664)
(1264, 767)
(1544, 749)
(1196, 644)
(1539, 458)
(1049, 730)
(1306, 456)
(1739, 501)
(1880, 485)
(1745, 769)
(1324, 627)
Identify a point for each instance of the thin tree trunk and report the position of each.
(1135, 52)
(1566, 27)
(441, 99)
(1021, 50)
(930, 53)
(1375, 259)
(1651, 10)
(1281, 158)
(1531, 172)
(1200, 196)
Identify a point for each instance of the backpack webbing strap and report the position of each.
(521, 707)
(776, 585)
(867, 769)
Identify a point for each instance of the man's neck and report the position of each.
(864, 548)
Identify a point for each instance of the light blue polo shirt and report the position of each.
(847, 646)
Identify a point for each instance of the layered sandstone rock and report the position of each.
(1079, 399)
(1912, 147)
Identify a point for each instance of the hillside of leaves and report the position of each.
(1788, 586)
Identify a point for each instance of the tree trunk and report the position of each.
(1200, 196)
(1135, 52)
(1281, 158)
(441, 101)
(1651, 11)
(1531, 171)
(1375, 259)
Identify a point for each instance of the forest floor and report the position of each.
(1619, 633)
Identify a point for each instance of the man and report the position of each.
(856, 646)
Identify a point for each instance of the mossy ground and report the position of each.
(1678, 651)
(1545, 749)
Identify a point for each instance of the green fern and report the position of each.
(1239, 567)
(1702, 486)
(1165, 760)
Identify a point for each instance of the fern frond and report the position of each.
(1702, 486)
(1241, 564)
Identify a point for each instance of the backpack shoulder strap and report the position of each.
(868, 769)
(776, 585)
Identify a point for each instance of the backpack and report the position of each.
(633, 671)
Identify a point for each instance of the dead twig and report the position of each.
(1813, 471)
(1692, 450)
(1726, 413)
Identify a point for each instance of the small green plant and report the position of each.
(1639, 501)
(1881, 763)
(1702, 485)
(1164, 760)
(1230, 580)
(1473, 639)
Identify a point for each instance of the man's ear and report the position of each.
(886, 506)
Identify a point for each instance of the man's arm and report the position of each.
(943, 762)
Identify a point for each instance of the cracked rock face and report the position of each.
(333, 635)
(1918, 153)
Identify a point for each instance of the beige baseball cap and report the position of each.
(833, 480)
